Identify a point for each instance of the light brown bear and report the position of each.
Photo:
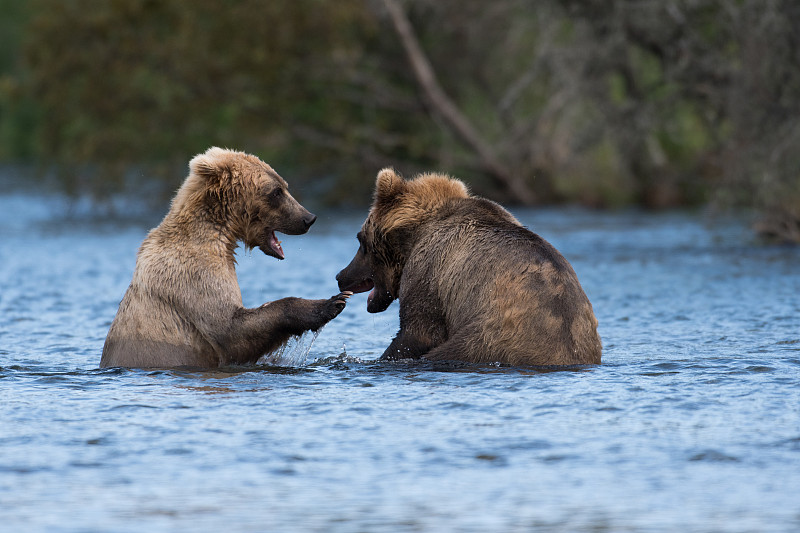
(184, 306)
(474, 284)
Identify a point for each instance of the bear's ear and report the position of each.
(388, 186)
(210, 164)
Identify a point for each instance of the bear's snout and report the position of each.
(295, 223)
(309, 219)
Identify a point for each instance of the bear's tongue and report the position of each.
(275, 245)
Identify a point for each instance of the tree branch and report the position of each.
(444, 106)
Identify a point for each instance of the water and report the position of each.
(692, 423)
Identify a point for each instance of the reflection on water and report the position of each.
(690, 424)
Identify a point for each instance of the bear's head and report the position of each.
(246, 198)
(388, 235)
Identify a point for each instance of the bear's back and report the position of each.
(510, 286)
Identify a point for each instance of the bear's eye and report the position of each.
(274, 196)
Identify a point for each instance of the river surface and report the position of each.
(692, 422)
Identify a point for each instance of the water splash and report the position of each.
(294, 352)
(340, 359)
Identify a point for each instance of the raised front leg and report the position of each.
(255, 332)
(297, 315)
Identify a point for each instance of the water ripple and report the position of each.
(713, 456)
(694, 407)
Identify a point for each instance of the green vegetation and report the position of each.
(658, 104)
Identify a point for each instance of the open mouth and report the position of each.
(370, 297)
(364, 286)
(273, 247)
(375, 302)
(361, 286)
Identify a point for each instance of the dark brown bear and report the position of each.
(184, 306)
(474, 284)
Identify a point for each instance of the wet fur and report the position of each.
(473, 284)
(184, 306)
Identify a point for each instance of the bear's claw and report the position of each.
(340, 300)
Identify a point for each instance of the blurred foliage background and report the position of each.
(657, 103)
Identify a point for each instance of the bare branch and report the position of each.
(444, 106)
